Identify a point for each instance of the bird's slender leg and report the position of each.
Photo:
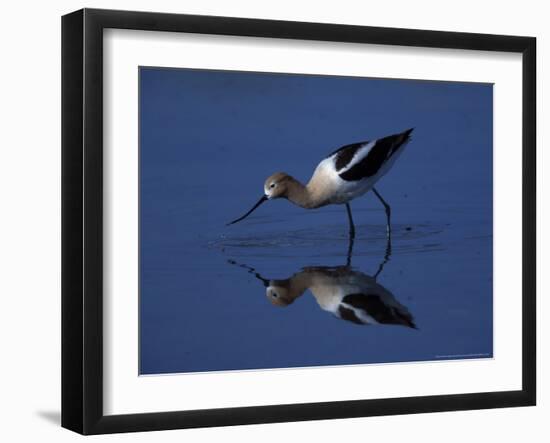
(350, 219)
(386, 259)
(350, 251)
(388, 210)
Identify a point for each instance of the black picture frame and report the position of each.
(82, 220)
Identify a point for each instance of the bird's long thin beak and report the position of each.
(263, 199)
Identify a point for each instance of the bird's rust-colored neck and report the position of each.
(301, 195)
(295, 286)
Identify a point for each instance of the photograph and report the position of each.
(270, 222)
(291, 220)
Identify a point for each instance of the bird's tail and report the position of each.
(407, 134)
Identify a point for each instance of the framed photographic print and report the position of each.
(268, 221)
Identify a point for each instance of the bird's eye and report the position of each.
(274, 294)
(272, 185)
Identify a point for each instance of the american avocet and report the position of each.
(345, 174)
(346, 293)
(342, 290)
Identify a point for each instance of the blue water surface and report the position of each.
(208, 140)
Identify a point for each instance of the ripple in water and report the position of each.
(332, 241)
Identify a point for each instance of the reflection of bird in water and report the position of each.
(345, 174)
(347, 293)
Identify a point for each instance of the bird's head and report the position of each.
(284, 292)
(276, 185)
(278, 295)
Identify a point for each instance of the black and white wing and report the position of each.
(367, 159)
(372, 308)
